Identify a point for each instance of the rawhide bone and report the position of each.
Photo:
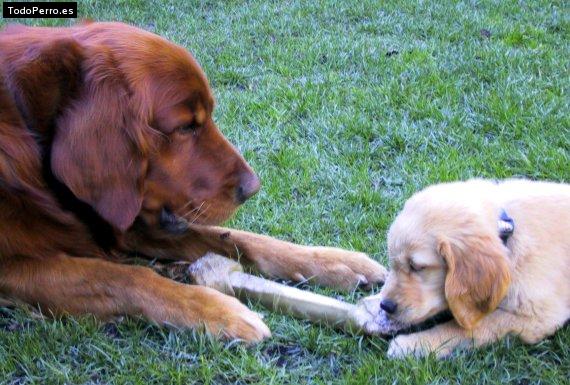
(227, 276)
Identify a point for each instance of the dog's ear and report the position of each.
(43, 72)
(477, 277)
(97, 147)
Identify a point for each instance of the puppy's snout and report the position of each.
(388, 306)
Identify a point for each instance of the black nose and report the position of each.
(388, 306)
(249, 184)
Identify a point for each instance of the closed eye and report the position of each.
(415, 268)
(189, 128)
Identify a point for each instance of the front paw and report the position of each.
(338, 268)
(407, 345)
(414, 345)
(203, 308)
(230, 319)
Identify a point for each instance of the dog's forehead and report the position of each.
(428, 214)
(401, 243)
(186, 85)
(404, 233)
(412, 235)
(152, 62)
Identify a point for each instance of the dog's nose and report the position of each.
(388, 306)
(249, 184)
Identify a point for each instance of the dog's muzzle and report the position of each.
(172, 223)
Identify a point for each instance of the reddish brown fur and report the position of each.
(92, 148)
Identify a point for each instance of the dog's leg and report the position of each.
(327, 266)
(443, 339)
(440, 340)
(67, 285)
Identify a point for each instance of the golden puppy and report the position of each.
(497, 255)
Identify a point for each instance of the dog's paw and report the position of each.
(233, 320)
(338, 268)
(414, 345)
(205, 309)
(407, 345)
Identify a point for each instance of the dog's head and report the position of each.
(445, 254)
(131, 116)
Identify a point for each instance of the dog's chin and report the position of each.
(393, 326)
(423, 324)
(175, 224)
(389, 326)
(213, 218)
(211, 213)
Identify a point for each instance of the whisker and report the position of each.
(186, 205)
(201, 212)
(191, 211)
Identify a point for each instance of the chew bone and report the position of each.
(227, 276)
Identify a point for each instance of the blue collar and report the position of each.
(506, 226)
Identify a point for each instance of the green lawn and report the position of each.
(344, 109)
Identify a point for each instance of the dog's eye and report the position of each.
(189, 128)
(415, 268)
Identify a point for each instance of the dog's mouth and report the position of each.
(430, 322)
(175, 224)
(392, 328)
(172, 223)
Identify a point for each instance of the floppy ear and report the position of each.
(43, 73)
(96, 150)
(477, 276)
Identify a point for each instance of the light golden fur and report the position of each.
(445, 253)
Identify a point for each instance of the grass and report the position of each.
(345, 109)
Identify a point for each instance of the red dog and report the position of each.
(107, 146)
